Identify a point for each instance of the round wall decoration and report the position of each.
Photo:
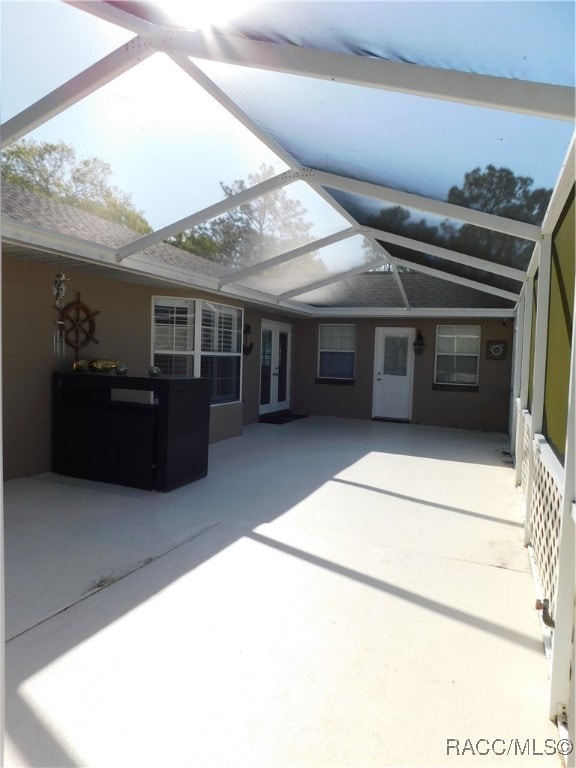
(78, 323)
(496, 350)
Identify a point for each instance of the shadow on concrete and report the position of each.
(252, 480)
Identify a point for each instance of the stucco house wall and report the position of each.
(486, 409)
(123, 330)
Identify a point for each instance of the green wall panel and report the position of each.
(560, 318)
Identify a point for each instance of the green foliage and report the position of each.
(52, 169)
(499, 191)
(250, 233)
(492, 190)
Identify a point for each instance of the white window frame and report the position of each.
(321, 349)
(476, 333)
(197, 352)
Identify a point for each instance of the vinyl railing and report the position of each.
(541, 482)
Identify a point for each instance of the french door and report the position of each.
(275, 367)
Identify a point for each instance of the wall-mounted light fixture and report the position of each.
(419, 344)
(248, 345)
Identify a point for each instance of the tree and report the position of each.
(492, 190)
(251, 233)
(52, 169)
(497, 191)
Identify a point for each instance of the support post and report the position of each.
(515, 410)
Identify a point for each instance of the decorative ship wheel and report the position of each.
(78, 324)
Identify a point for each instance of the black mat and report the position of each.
(281, 417)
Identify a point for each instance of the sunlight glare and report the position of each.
(202, 15)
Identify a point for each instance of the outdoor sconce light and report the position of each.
(419, 343)
(248, 345)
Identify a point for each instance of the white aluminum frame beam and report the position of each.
(217, 93)
(562, 189)
(449, 255)
(525, 97)
(400, 285)
(531, 98)
(541, 334)
(455, 279)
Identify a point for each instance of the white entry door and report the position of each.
(393, 373)
(275, 367)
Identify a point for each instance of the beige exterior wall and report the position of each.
(122, 329)
(486, 409)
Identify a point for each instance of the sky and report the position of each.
(170, 144)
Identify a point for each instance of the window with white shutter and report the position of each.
(337, 352)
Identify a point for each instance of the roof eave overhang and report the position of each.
(29, 237)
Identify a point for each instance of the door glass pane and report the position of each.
(266, 367)
(282, 367)
(395, 355)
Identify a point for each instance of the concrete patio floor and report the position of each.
(334, 593)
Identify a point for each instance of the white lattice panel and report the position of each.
(545, 511)
(526, 450)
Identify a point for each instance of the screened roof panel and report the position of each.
(367, 290)
(437, 230)
(428, 291)
(453, 268)
(48, 43)
(168, 143)
(285, 219)
(410, 143)
(314, 267)
(465, 36)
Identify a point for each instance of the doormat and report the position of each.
(281, 417)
